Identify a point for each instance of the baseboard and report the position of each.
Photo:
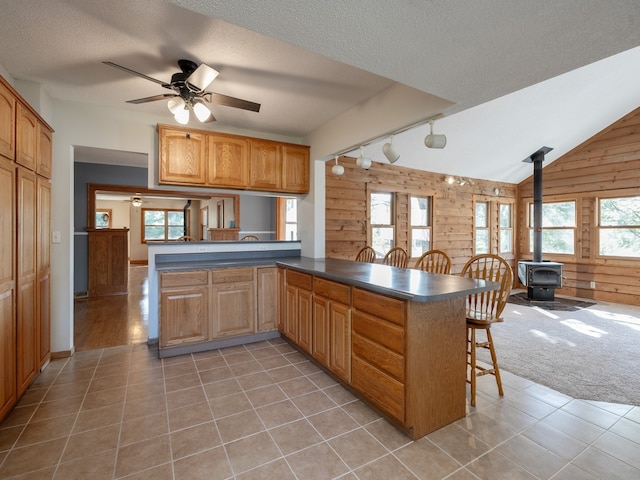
(138, 262)
(63, 354)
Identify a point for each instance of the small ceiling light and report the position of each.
(202, 111)
(136, 202)
(363, 162)
(450, 180)
(337, 169)
(434, 141)
(496, 191)
(390, 152)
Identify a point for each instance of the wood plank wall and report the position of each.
(606, 165)
(346, 208)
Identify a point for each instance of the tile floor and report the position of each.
(262, 411)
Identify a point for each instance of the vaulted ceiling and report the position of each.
(508, 77)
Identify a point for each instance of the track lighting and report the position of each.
(337, 169)
(390, 152)
(434, 141)
(362, 161)
(461, 181)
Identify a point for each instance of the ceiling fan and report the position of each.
(190, 94)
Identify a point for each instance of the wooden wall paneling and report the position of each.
(8, 364)
(27, 331)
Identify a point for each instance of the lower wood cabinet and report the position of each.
(108, 261)
(298, 309)
(199, 306)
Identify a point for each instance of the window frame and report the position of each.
(166, 225)
(428, 227)
(509, 228)
(392, 219)
(574, 228)
(487, 227)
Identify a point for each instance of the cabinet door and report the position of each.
(7, 123)
(320, 330)
(228, 162)
(182, 157)
(291, 315)
(266, 165)
(305, 314)
(27, 341)
(233, 309)
(184, 315)
(26, 137)
(282, 311)
(43, 262)
(108, 262)
(267, 299)
(295, 169)
(340, 340)
(43, 166)
(7, 287)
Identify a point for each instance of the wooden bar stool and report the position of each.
(396, 257)
(434, 261)
(366, 254)
(484, 309)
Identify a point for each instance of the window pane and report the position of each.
(153, 217)
(154, 233)
(381, 208)
(175, 218)
(561, 214)
(620, 242)
(481, 215)
(482, 241)
(291, 210)
(620, 211)
(558, 240)
(381, 240)
(175, 232)
(505, 215)
(420, 212)
(291, 231)
(420, 241)
(505, 241)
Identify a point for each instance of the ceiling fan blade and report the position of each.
(153, 99)
(227, 101)
(202, 76)
(146, 77)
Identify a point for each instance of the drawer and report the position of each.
(382, 358)
(299, 279)
(332, 290)
(379, 388)
(181, 279)
(391, 309)
(231, 275)
(379, 331)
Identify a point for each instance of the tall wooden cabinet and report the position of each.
(25, 258)
(108, 261)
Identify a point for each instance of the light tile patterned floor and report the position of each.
(262, 411)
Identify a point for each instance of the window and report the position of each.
(558, 227)
(382, 226)
(420, 219)
(291, 219)
(506, 228)
(162, 224)
(619, 227)
(103, 218)
(481, 224)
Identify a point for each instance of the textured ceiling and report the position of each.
(519, 74)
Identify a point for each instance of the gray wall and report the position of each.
(85, 173)
(258, 216)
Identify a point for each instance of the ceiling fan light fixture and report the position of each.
(202, 112)
(175, 105)
(182, 116)
(136, 202)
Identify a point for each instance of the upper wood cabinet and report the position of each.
(43, 165)
(210, 159)
(182, 156)
(228, 161)
(7, 123)
(27, 139)
(266, 165)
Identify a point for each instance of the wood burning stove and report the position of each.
(540, 278)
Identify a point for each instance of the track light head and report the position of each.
(337, 169)
(362, 161)
(433, 140)
(390, 152)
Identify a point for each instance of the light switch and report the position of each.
(55, 237)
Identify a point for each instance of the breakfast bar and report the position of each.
(396, 337)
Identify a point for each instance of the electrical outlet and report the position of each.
(202, 249)
(592, 284)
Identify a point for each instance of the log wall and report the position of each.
(606, 165)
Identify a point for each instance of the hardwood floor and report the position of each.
(114, 320)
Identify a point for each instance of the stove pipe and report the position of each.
(537, 158)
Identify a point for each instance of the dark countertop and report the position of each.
(408, 284)
(210, 264)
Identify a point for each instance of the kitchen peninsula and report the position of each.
(396, 337)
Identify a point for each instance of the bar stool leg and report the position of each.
(494, 360)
